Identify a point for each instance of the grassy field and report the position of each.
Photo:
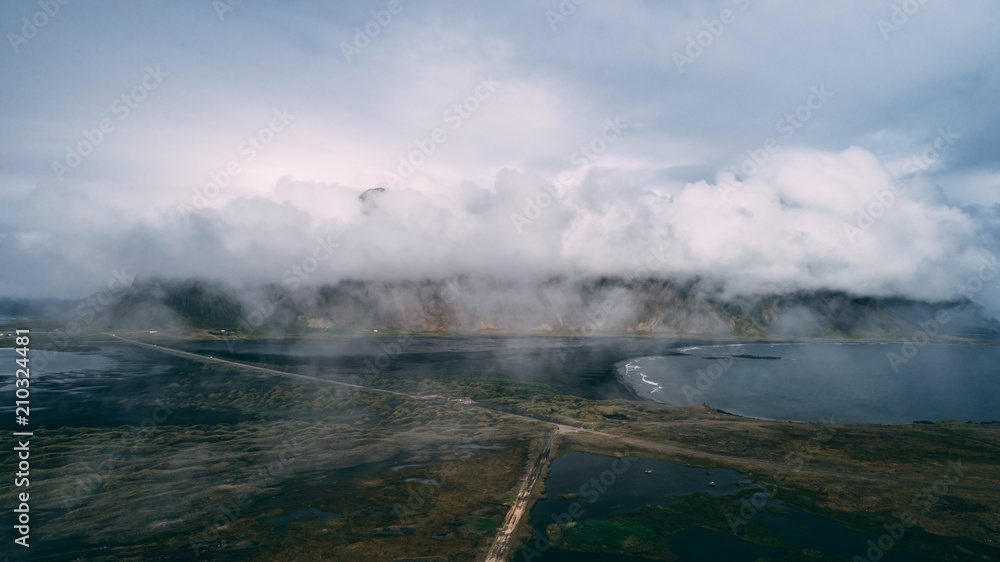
(174, 490)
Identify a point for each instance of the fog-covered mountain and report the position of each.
(559, 305)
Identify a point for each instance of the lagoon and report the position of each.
(842, 382)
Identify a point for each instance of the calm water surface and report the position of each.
(843, 382)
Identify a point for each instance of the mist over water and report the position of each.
(842, 382)
(108, 385)
(571, 365)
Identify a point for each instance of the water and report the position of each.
(85, 385)
(572, 365)
(698, 544)
(606, 485)
(842, 382)
(600, 496)
(105, 386)
(303, 515)
(806, 382)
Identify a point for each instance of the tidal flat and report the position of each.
(166, 457)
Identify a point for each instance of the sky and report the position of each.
(772, 146)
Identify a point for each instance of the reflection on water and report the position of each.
(57, 367)
(304, 515)
(843, 382)
(585, 479)
(846, 383)
(698, 544)
(605, 485)
(572, 365)
(108, 386)
(595, 487)
(99, 376)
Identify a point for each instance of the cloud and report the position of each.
(799, 223)
(654, 193)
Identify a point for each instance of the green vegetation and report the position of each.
(487, 524)
(150, 493)
(956, 510)
(608, 536)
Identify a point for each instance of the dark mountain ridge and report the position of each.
(557, 305)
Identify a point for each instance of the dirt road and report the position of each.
(503, 544)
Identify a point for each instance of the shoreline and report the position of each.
(628, 379)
